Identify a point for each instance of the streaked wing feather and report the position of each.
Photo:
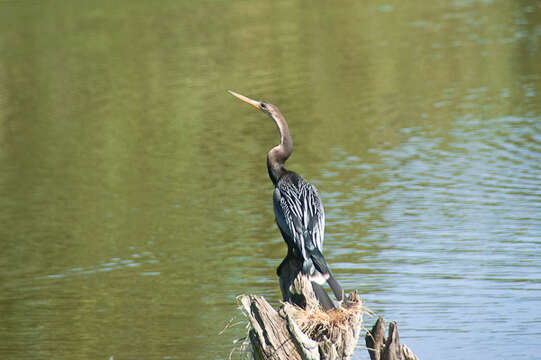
(300, 215)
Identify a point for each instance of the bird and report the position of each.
(298, 210)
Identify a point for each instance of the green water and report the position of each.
(134, 198)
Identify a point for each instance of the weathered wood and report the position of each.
(309, 333)
(380, 348)
(303, 330)
(307, 347)
(408, 354)
(392, 345)
(375, 339)
(269, 334)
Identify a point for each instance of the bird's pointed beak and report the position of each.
(254, 103)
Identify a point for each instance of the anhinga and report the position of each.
(298, 210)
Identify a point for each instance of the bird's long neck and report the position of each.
(278, 155)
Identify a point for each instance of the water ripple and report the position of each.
(461, 218)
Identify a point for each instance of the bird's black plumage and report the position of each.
(301, 220)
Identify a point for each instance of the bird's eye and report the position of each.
(263, 105)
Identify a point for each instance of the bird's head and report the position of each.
(267, 108)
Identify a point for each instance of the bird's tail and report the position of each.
(335, 286)
(321, 265)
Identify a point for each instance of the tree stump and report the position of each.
(308, 333)
(301, 329)
(380, 348)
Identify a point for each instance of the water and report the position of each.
(135, 204)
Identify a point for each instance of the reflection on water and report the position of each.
(134, 199)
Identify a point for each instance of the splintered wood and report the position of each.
(381, 348)
(302, 330)
(308, 334)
